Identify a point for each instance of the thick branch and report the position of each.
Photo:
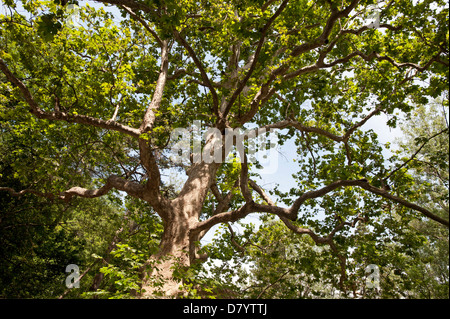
(320, 40)
(151, 166)
(404, 202)
(145, 149)
(261, 192)
(62, 116)
(287, 214)
(230, 216)
(150, 117)
(292, 212)
(113, 181)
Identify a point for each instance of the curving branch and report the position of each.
(321, 39)
(364, 28)
(132, 188)
(14, 193)
(329, 241)
(316, 238)
(63, 116)
(363, 183)
(230, 216)
(385, 194)
(291, 213)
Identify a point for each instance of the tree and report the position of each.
(105, 96)
(427, 140)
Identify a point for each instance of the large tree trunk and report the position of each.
(177, 248)
(172, 255)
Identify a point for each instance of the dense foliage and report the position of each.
(90, 95)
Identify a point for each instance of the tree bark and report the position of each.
(177, 248)
(173, 255)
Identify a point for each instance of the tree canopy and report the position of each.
(100, 101)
